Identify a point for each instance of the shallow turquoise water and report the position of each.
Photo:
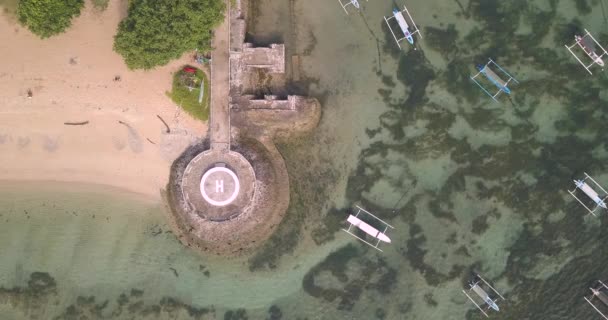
(101, 242)
(468, 184)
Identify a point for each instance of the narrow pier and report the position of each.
(219, 117)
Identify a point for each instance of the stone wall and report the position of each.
(270, 58)
(270, 117)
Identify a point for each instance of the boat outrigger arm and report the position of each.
(404, 26)
(501, 84)
(345, 3)
(600, 201)
(598, 293)
(355, 221)
(589, 50)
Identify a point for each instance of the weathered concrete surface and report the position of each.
(276, 118)
(247, 59)
(246, 231)
(192, 180)
(219, 117)
(271, 58)
(237, 26)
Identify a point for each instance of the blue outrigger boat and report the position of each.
(501, 84)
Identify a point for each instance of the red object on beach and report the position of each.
(190, 70)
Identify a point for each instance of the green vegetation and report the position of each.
(185, 92)
(46, 18)
(157, 31)
(100, 4)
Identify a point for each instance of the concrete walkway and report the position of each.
(219, 118)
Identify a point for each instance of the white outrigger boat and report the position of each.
(404, 26)
(599, 292)
(354, 3)
(491, 303)
(367, 228)
(589, 50)
(588, 43)
(600, 201)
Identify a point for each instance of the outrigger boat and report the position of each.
(599, 292)
(600, 201)
(589, 49)
(588, 43)
(494, 78)
(501, 84)
(368, 229)
(474, 285)
(403, 25)
(355, 221)
(354, 3)
(405, 28)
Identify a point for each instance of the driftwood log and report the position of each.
(165, 123)
(81, 123)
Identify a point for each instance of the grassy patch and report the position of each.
(185, 92)
(100, 4)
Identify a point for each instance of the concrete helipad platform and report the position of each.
(218, 185)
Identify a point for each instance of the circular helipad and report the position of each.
(220, 186)
(245, 223)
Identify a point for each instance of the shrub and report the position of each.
(48, 17)
(157, 31)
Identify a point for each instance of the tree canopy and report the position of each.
(48, 17)
(157, 31)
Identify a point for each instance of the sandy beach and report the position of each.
(76, 77)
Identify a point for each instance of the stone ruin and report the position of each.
(248, 166)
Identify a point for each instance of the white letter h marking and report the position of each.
(219, 186)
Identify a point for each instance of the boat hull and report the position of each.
(495, 79)
(405, 28)
(597, 59)
(368, 229)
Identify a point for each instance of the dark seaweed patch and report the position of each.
(239, 314)
(308, 197)
(442, 40)
(274, 313)
(350, 289)
(42, 292)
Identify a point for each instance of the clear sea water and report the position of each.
(469, 184)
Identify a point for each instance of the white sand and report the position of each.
(72, 79)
